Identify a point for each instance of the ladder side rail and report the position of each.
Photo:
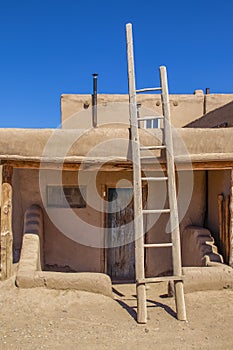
(174, 219)
(138, 217)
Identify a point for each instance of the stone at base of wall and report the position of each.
(208, 278)
(84, 281)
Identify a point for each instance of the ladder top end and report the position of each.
(163, 67)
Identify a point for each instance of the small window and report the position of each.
(66, 196)
(152, 124)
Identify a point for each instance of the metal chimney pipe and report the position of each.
(94, 101)
(207, 91)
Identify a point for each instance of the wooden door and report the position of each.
(121, 258)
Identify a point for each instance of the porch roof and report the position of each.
(101, 145)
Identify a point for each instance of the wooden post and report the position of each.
(231, 222)
(227, 238)
(220, 221)
(6, 256)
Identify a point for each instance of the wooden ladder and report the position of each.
(139, 212)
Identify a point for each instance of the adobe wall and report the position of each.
(161, 261)
(59, 249)
(215, 101)
(66, 253)
(218, 112)
(63, 250)
(185, 109)
(114, 108)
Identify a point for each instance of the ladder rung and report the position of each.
(165, 178)
(151, 117)
(158, 245)
(149, 89)
(155, 211)
(159, 279)
(147, 157)
(146, 148)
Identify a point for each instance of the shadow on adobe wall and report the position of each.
(221, 117)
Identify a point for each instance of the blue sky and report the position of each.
(50, 47)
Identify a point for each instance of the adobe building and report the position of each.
(71, 188)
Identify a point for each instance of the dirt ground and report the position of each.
(49, 319)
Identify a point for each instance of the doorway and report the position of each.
(121, 254)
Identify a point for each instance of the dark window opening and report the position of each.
(66, 196)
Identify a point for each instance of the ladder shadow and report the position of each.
(166, 308)
(117, 292)
(132, 309)
(129, 309)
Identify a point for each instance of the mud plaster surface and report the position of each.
(49, 319)
(200, 144)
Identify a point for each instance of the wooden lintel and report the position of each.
(70, 166)
(213, 165)
(7, 173)
(117, 165)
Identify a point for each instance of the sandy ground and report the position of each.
(49, 319)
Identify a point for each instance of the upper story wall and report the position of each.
(76, 110)
(218, 112)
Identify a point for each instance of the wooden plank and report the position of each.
(149, 89)
(121, 258)
(154, 178)
(158, 245)
(161, 279)
(117, 165)
(6, 254)
(7, 173)
(220, 221)
(152, 148)
(227, 238)
(152, 117)
(103, 211)
(174, 220)
(231, 222)
(156, 211)
(138, 218)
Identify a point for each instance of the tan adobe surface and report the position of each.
(110, 144)
(76, 109)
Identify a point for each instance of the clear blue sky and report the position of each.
(50, 47)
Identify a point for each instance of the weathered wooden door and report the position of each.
(121, 257)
